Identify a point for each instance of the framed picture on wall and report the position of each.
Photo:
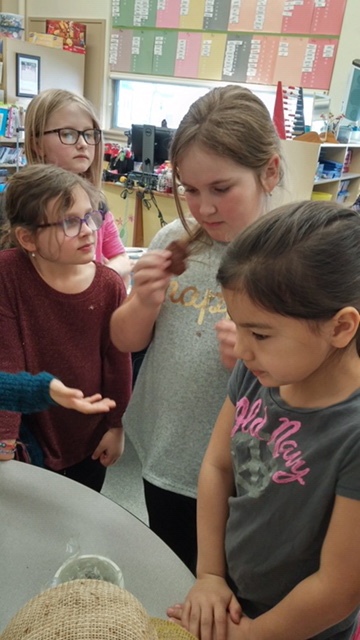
(27, 75)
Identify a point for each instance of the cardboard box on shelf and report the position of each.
(46, 40)
(73, 33)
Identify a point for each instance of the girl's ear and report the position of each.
(271, 174)
(345, 325)
(25, 238)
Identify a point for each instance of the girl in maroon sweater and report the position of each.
(55, 309)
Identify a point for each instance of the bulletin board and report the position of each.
(255, 41)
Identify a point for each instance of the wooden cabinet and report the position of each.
(137, 224)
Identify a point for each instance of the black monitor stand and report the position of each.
(148, 145)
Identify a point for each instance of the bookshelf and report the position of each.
(301, 162)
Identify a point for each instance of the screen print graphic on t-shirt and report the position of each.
(260, 457)
(190, 296)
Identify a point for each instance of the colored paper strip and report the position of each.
(212, 56)
(188, 54)
(216, 15)
(168, 14)
(297, 17)
(237, 52)
(123, 14)
(262, 59)
(165, 45)
(120, 50)
(319, 76)
(290, 59)
(142, 51)
(242, 15)
(327, 17)
(191, 14)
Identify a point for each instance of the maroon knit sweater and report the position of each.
(67, 335)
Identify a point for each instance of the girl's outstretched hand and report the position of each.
(151, 278)
(205, 611)
(74, 399)
(226, 335)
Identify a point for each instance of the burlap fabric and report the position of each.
(88, 610)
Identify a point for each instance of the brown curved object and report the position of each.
(179, 254)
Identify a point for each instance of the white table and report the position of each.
(41, 511)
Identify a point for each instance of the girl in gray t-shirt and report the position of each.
(279, 487)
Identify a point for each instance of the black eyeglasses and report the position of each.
(72, 225)
(71, 136)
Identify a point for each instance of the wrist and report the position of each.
(118, 429)
(202, 575)
(146, 303)
(117, 432)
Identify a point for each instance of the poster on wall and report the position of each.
(306, 62)
(257, 41)
(317, 17)
(27, 75)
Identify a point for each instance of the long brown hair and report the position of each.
(37, 115)
(231, 122)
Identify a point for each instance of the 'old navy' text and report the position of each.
(281, 441)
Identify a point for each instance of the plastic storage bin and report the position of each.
(321, 195)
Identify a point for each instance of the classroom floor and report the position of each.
(123, 483)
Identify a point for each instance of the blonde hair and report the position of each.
(231, 122)
(28, 194)
(37, 115)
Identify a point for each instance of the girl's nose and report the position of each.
(81, 143)
(242, 349)
(85, 230)
(206, 206)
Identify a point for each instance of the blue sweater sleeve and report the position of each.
(24, 392)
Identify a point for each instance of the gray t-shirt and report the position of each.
(288, 464)
(182, 384)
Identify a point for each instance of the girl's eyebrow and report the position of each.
(221, 181)
(251, 325)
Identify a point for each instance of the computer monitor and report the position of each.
(150, 145)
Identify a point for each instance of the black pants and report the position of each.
(89, 472)
(173, 518)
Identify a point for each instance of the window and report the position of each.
(139, 102)
(152, 101)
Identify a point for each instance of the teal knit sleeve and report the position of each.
(24, 392)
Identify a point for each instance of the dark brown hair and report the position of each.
(301, 260)
(28, 194)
